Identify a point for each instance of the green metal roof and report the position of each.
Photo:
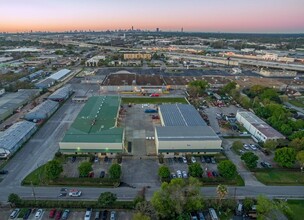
(96, 122)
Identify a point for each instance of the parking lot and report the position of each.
(177, 163)
(73, 215)
(70, 167)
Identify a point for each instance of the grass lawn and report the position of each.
(237, 149)
(274, 177)
(153, 100)
(297, 103)
(37, 177)
(297, 207)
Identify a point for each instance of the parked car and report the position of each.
(58, 215)
(213, 160)
(52, 213)
(193, 216)
(102, 174)
(253, 147)
(201, 216)
(193, 160)
(91, 174)
(106, 159)
(3, 172)
(179, 174)
(266, 164)
(113, 215)
(214, 173)
(96, 160)
(38, 213)
(88, 214)
(27, 214)
(73, 159)
(75, 193)
(173, 176)
(209, 174)
(185, 175)
(246, 147)
(65, 214)
(104, 215)
(97, 215)
(203, 160)
(14, 213)
(207, 159)
(185, 160)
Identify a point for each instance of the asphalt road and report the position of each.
(42, 146)
(127, 193)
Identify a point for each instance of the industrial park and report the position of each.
(148, 124)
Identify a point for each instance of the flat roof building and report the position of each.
(42, 111)
(61, 94)
(13, 138)
(60, 75)
(95, 128)
(9, 102)
(257, 127)
(184, 131)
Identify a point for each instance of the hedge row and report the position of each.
(81, 182)
(74, 204)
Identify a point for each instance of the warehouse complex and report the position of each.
(184, 131)
(10, 102)
(60, 75)
(42, 111)
(257, 127)
(61, 94)
(95, 128)
(13, 138)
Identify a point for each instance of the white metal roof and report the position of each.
(15, 134)
(60, 74)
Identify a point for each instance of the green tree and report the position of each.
(84, 169)
(270, 144)
(256, 90)
(221, 191)
(107, 199)
(146, 209)
(270, 94)
(140, 216)
(195, 170)
(115, 171)
(197, 87)
(177, 197)
(300, 158)
(14, 199)
(53, 169)
(228, 87)
(248, 203)
(227, 169)
(250, 159)
(285, 156)
(297, 144)
(297, 134)
(163, 172)
(264, 206)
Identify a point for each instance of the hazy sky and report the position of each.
(192, 15)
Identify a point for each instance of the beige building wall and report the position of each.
(137, 56)
(90, 146)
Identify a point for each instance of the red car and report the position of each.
(58, 215)
(154, 95)
(209, 174)
(52, 213)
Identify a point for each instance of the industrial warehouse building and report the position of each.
(60, 75)
(13, 138)
(42, 111)
(257, 127)
(61, 94)
(184, 131)
(95, 128)
(10, 102)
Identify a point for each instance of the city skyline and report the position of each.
(272, 16)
